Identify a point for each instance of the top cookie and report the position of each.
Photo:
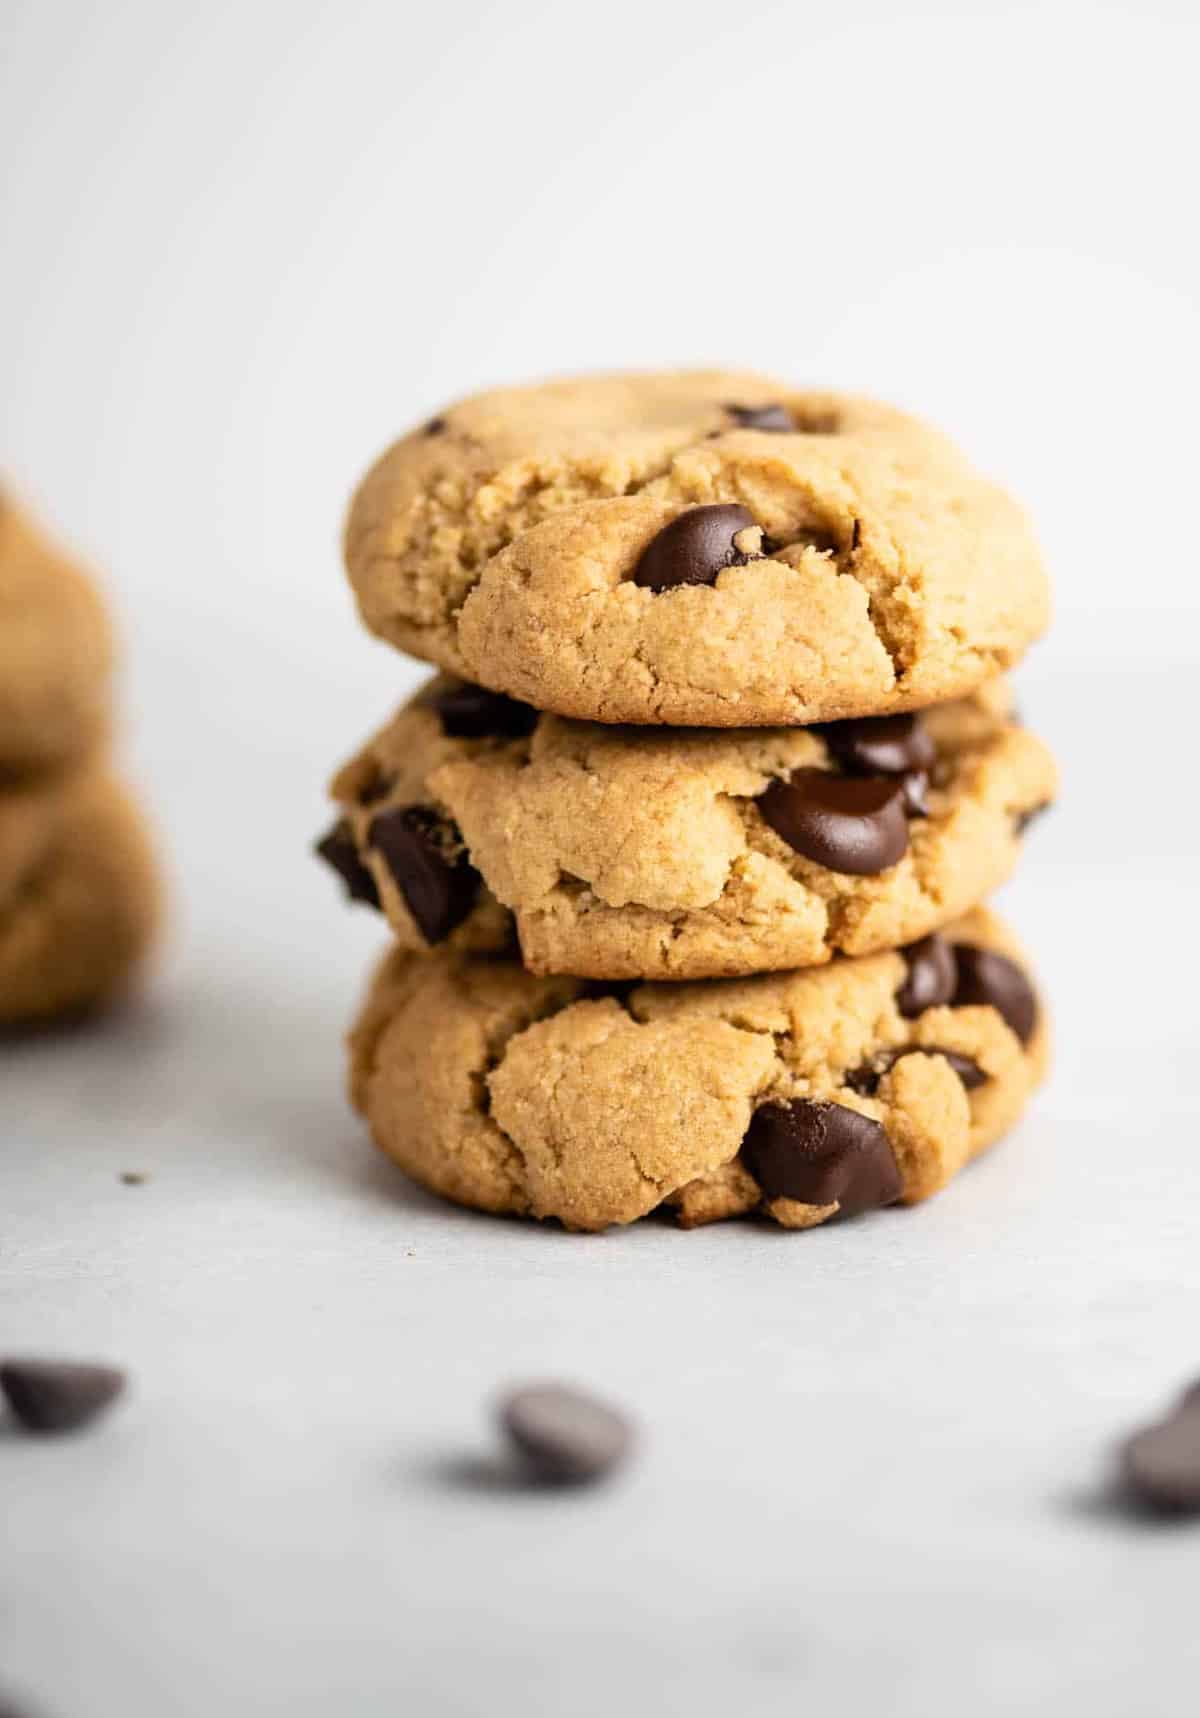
(703, 548)
(56, 652)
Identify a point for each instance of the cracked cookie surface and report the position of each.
(56, 652)
(519, 540)
(803, 1095)
(639, 853)
(76, 927)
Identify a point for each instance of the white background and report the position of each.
(245, 245)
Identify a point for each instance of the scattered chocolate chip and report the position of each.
(1161, 1464)
(991, 979)
(58, 1395)
(338, 851)
(1022, 821)
(134, 1177)
(563, 1436)
(821, 1154)
(698, 545)
(471, 713)
(772, 419)
(931, 978)
(880, 745)
(436, 426)
(865, 1080)
(853, 824)
(429, 866)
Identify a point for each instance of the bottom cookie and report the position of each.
(806, 1095)
(74, 930)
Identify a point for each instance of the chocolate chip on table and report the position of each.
(773, 419)
(931, 977)
(992, 980)
(429, 866)
(698, 545)
(58, 1395)
(338, 850)
(564, 1436)
(472, 713)
(1160, 1465)
(865, 1080)
(821, 1154)
(852, 824)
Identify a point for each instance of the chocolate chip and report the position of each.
(698, 545)
(880, 745)
(563, 1436)
(865, 1080)
(1023, 819)
(853, 824)
(471, 713)
(58, 1395)
(1161, 1465)
(991, 979)
(773, 419)
(821, 1154)
(916, 792)
(338, 850)
(429, 866)
(436, 426)
(932, 976)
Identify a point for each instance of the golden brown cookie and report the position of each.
(74, 931)
(708, 548)
(630, 852)
(56, 652)
(806, 1095)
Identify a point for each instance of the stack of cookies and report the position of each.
(79, 895)
(684, 851)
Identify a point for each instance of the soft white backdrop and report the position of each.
(243, 245)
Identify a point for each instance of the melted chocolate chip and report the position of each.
(852, 824)
(58, 1395)
(429, 867)
(991, 979)
(695, 547)
(471, 713)
(865, 1080)
(821, 1154)
(338, 851)
(774, 419)
(932, 976)
(563, 1436)
(880, 745)
(1022, 821)
(1161, 1465)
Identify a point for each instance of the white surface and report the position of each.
(243, 246)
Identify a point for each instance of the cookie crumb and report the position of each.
(134, 1177)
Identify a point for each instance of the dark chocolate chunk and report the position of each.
(1161, 1465)
(821, 1154)
(1025, 818)
(429, 866)
(880, 745)
(985, 977)
(563, 1436)
(774, 419)
(696, 546)
(472, 713)
(865, 1080)
(338, 851)
(932, 976)
(58, 1395)
(853, 824)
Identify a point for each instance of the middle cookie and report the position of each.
(681, 853)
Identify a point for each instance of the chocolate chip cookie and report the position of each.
(626, 852)
(56, 652)
(701, 548)
(74, 929)
(804, 1095)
